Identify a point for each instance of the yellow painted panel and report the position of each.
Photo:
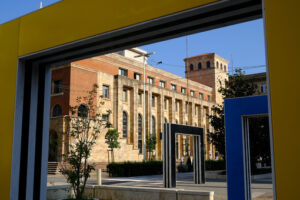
(283, 43)
(8, 71)
(71, 20)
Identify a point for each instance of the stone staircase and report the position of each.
(52, 168)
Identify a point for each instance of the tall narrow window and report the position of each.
(125, 124)
(165, 104)
(217, 65)
(208, 97)
(192, 93)
(57, 86)
(191, 67)
(140, 129)
(153, 101)
(173, 87)
(200, 95)
(183, 90)
(56, 111)
(199, 65)
(153, 126)
(105, 91)
(124, 95)
(207, 64)
(83, 111)
(139, 98)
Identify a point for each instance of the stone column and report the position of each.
(134, 116)
(160, 113)
(172, 110)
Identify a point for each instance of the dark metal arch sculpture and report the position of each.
(169, 160)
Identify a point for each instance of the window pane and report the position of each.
(105, 91)
(57, 87)
(124, 124)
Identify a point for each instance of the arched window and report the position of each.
(221, 66)
(140, 129)
(191, 67)
(153, 126)
(225, 68)
(125, 124)
(207, 64)
(56, 111)
(217, 65)
(83, 111)
(199, 65)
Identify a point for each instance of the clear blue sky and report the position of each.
(242, 43)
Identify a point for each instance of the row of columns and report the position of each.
(182, 116)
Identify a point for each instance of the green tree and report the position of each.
(111, 139)
(235, 86)
(83, 131)
(150, 144)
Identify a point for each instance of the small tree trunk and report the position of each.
(112, 155)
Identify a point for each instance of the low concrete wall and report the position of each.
(140, 193)
(216, 175)
(130, 193)
(58, 192)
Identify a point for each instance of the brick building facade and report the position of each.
(169, 98)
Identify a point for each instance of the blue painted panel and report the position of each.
(235, 109)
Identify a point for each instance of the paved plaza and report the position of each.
(261, 189)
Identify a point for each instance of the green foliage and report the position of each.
(125, 169)
(83, 131)
(150, 144)
(111, 138)
(211, 165)
(236, 86)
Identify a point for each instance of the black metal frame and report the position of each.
(169, 160)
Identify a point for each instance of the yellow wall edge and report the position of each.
(8, 75)
(283, 43)
(70, 21)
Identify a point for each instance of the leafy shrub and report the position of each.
(211, 165)
(182, 168)
(125, 169)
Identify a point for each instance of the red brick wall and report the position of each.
(63, 100)
(82, 81)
